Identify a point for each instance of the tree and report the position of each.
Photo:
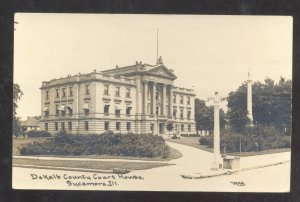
(204, 116)
(271, 105)
(17, 94)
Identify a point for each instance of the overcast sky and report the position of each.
(207, 52)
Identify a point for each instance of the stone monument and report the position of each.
(217, 162)
(249, 99)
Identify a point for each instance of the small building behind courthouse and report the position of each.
(31, 123)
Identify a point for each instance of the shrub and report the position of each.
(266, 138)
(37, 133)
(206, 140)
(147, 145)
(175, 137)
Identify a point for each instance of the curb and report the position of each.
(87, 159)
(114, 171)
(229, 172)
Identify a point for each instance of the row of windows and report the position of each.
(87, 111)
(86, 126)
(117, 112)
(106, 126)
(64, 92)
(181, 99)
(87, 91)
(106, 92)
(181, 114)
(117, 91)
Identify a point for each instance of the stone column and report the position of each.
(249, 99)
(217, 156)
(139, 97)
(153, 98)
(171, 101)
(164, 92)
(145, 96)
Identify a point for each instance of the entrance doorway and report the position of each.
(161, 128)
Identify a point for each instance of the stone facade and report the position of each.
(140, 98)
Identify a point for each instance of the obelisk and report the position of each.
(249, 99)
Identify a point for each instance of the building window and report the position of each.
(128, 126)
(174, 98)
(117, 125)
(127, 92)
(87, 89)
(152, 127)
(118, 112)
(181, 99)
(117, 91)
(86, 112)
(47, 95)
(62, 126)
(70, 110)
(106, 125)
(71, 91)
(106, 109)
(56, 126)
(69, 125)
(46, 113)
(86, 125)
(57, 93)
(56, 110)
(106, 89)
(182, 127)
(181, 113)
(174, 113)
(188, 100)
(189, 128)
(157, 109)
(157, 95)
(64, 92)
(128, 110)
(63, 113)
(189, 115)
(46, 126)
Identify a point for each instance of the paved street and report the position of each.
(193, 162)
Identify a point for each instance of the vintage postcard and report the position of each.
(138, 102)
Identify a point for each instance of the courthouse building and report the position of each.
(140, 98)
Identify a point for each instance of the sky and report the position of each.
(206, 52)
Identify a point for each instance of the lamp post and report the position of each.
(217, 162)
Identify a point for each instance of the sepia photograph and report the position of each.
(149, 102)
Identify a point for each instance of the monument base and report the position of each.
(216, 166)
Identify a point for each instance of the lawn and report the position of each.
(194, 142)
(101, 165)
(17, 142)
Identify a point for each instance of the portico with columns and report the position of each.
(155, 99)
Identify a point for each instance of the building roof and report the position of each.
(159, 69)
(31, 121)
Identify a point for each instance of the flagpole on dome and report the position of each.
(157, 45)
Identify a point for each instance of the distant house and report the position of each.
(32, 123)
